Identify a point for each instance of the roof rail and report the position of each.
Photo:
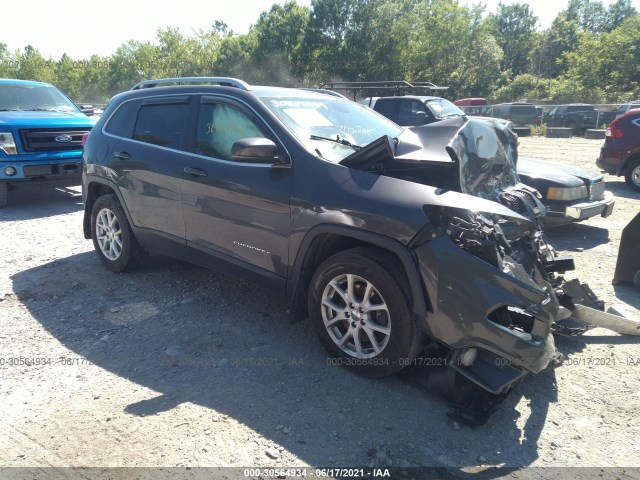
(395, 85)
(225, 81)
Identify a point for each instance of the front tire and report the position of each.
(632, 175)
(113, 240)
(359, 309)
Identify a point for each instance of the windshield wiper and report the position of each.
(447, 115)
(339, 140)
(40, 110)
(8, 110)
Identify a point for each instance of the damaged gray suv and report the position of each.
(386, 238)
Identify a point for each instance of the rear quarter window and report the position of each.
(121, 122)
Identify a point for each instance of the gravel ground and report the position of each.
(177, 366)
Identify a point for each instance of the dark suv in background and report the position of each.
(413, 110)
(372, 231)
(620, 154)
(578, 116)
(521, 114)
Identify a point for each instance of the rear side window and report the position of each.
(219, 127)
(121, 121)
(162, 124)
(386, 108)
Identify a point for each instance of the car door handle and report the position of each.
(122, 155)
(196, 172)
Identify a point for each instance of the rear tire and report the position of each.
(359, 309)
(4, 194)
(632, 175)
(113, 240)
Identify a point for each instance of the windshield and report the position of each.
(443, 108)
(15, 97)
(331, 127)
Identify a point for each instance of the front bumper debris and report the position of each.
(469, 310)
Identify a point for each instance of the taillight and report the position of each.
(84, 138)
(614, 131)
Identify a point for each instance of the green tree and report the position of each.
(133, 62)
(607, 63)
(279, 35)
(589, 14)
(31, 65)
(513, 27)
(8, 67)
(68, 77)
(235, 57)
(618, 12)
(560, 38)
(448, 44)
(523, 87)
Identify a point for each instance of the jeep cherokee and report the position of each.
(385, 237)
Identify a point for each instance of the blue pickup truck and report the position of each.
(41, 133)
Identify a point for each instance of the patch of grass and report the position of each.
(539, 130)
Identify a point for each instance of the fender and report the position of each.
(90, 179)
(419, 303)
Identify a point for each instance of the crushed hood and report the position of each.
(483, 152)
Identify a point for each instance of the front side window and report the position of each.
(443, 108)
(219, 127)
(162, 124)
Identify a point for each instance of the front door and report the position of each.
(238, 211)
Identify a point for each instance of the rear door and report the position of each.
(148, 165)
(235, 211)
(388, 107)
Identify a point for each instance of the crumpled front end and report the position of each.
(491, 304)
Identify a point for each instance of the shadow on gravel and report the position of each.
(628, 294)
(577, 235)
(620, 189)
(193, 335)
(39, 200)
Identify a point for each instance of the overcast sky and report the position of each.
(83, 28)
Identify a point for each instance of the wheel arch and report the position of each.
(95, 188)
(322, 241)
(627, 160)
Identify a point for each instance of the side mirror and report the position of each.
(420, 116)
(255, 150)
(87, 109)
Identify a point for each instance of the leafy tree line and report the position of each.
(590, 53)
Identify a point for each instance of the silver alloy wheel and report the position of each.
(356, 316)
(109, 234)
(635, 175)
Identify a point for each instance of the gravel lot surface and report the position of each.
(174, 365)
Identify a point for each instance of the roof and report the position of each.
(194, 84)
(16, 81)
(422, 98)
